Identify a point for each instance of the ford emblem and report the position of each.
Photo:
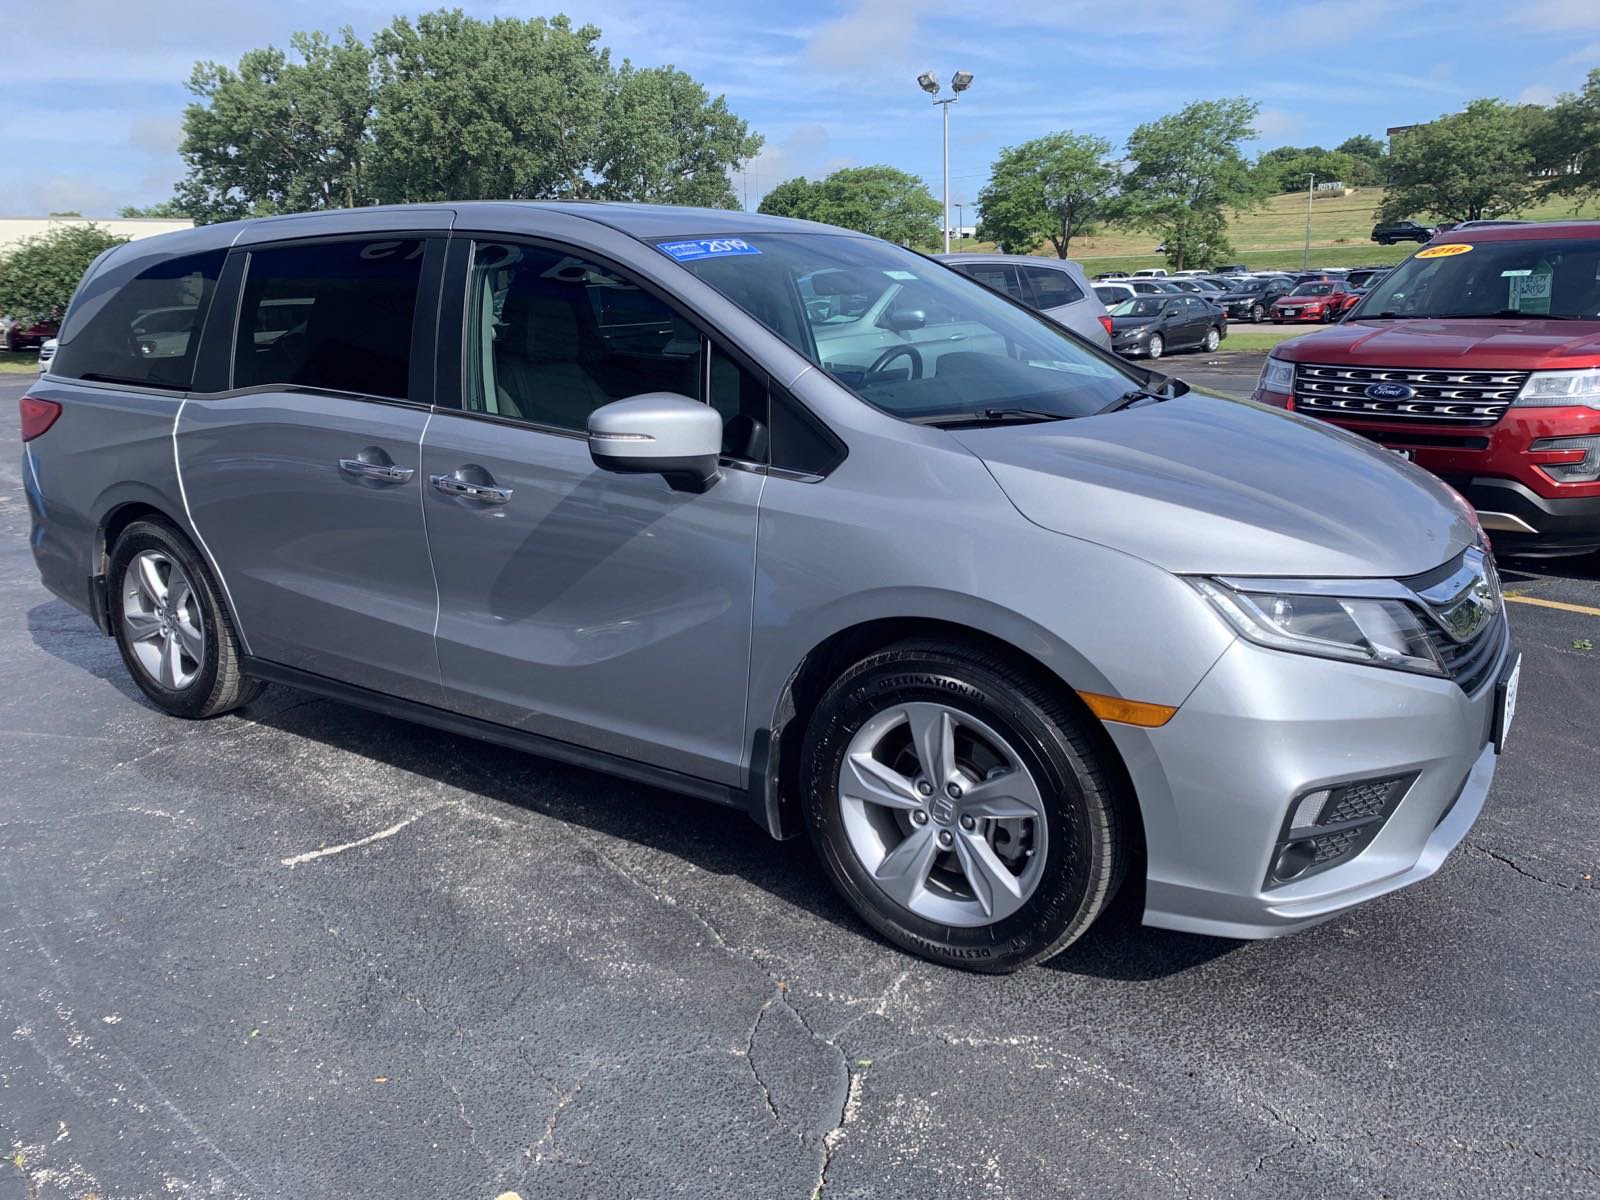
(1390, 391)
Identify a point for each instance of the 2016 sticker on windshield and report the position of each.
(694, 249)
(1448, 250)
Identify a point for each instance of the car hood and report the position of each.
(1511, 344)
(1204, 484)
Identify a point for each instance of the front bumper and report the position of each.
(1307, 315)
(1264, 727)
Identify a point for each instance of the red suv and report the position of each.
(1479, 359)
(1315, 300)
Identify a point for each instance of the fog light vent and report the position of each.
(1331, 825)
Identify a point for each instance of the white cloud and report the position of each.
(1559, 14)
(1537, 93)
(1273, 124)
(873, 33)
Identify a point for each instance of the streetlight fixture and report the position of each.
(959, 82)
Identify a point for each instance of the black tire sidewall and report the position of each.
(195, 699)
(1064, 887)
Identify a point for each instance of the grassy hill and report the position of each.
(1274, 235)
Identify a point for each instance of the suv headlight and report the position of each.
(1561, 389)
(1381, 633)
(1277, 375)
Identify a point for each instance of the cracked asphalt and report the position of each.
(304, 951)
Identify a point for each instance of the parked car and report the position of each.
(1252, 299)
(1233, 269)
(1055, 287)
(1020, 618)
(1364, 277)
(1150, 273)
(1110, 275)
(1118, 290)
(1113, 293)
(1150, 326)
(1324, 300)
(46, 353)
(23, 333)
(1479, 358)
(1481, 224)
(1387, 233)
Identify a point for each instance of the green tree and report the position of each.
(279, 134)
(1049, 189)
(1187, 172)
(163, 208)
(1466, 166)
(38, 276)
(792, 198)
(1290, 174)
(469, 110)
(881, 201)
(1369, 150)
(1568, 147)
(665, 140)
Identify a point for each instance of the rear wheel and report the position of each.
(174, 634)
(1157, 346)
(959, 807)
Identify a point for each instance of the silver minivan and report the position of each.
(1056, 287)
(994, 618)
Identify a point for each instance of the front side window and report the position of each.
(1542, 278)
(330, 315)
(552, 336)
(144, 332)
(930, 344)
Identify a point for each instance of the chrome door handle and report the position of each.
(488, 493)
(387, 472)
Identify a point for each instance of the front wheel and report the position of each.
(1157, 346)
(960, 807)
(1257, 314)
(175, 636)
(1213, 339)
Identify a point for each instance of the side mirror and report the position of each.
(905, 319)
(659, 433)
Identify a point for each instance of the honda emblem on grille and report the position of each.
(1475, 606)
(1390, 391)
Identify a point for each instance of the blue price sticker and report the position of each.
(694, 249)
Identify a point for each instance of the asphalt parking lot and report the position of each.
(305, 951)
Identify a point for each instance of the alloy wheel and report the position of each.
(941, 813)
(162, 620)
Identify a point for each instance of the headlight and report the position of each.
(1561, 389)
(1381, 633)
(1137, 331)
(1277, 375)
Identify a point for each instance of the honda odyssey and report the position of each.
(793, 520)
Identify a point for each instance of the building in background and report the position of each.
(14, 230)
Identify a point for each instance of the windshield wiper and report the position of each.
(989, 416)
(1133, 399)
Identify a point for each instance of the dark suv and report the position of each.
(1387, 233)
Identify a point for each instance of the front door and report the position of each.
(607, 611)
(303, 477)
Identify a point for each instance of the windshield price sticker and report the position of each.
(694, 249)
(1448, 250)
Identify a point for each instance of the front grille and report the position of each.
(1437, 396)
(1470, 663)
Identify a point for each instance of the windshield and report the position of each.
(907, 334)
(1249, 285)
(1142, 306)
(1543, 278)
(1313, 289)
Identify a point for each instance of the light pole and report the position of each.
(959, 82)
(961, 218)
(1311, 181)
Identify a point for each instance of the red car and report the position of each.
(1479, 359)
(1322, 300)
(22, 333)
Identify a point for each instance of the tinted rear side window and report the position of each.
(1052, 288)
(330, 315)
(144, 332)
(999, 276)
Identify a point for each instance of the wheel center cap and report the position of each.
(942, 809)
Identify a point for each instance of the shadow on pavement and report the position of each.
(717, 840)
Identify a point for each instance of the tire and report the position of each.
(1076, 814)
(1156, 346)
(1257, 315)
(1213, 340)
(175, 636)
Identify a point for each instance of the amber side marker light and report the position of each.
(1128, 712)
(37, 416)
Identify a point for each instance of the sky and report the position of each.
(92, 91)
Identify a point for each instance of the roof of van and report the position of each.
(1531, 231)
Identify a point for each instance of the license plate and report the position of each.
(1506, 704)
(1291, 312)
